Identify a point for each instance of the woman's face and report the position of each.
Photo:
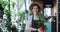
(35, 9)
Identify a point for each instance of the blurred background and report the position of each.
(14, 14)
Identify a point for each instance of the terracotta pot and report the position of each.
(42, 28)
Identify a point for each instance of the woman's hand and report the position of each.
(39, 30)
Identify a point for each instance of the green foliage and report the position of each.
(21, 16)
(41, 21)
(23, 26)
(13, 4)
(41, 16)
(7, 12)
(5, 4)
(1, 1)
(14, 29)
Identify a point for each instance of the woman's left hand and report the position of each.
(39, 30)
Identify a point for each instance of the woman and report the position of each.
(35, 9)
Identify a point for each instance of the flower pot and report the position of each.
(42, 28)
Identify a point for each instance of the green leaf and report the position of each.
(13, 4)
(21, 16)
(1, 1)
(23, 26)
(5, 3)
(41, 21)
(41, 16)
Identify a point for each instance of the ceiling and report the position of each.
(46, 1)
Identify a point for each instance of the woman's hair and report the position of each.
(32, 5)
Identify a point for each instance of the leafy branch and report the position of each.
(41, 21)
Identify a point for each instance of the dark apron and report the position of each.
(34, 25)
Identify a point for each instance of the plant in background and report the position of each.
(14, 29)
(41, 22)
(7, 13)
(13, 4)
(1, 11)
(21, 16)
(21, 20)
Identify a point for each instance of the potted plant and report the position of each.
(7, 12)
(40, 23)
